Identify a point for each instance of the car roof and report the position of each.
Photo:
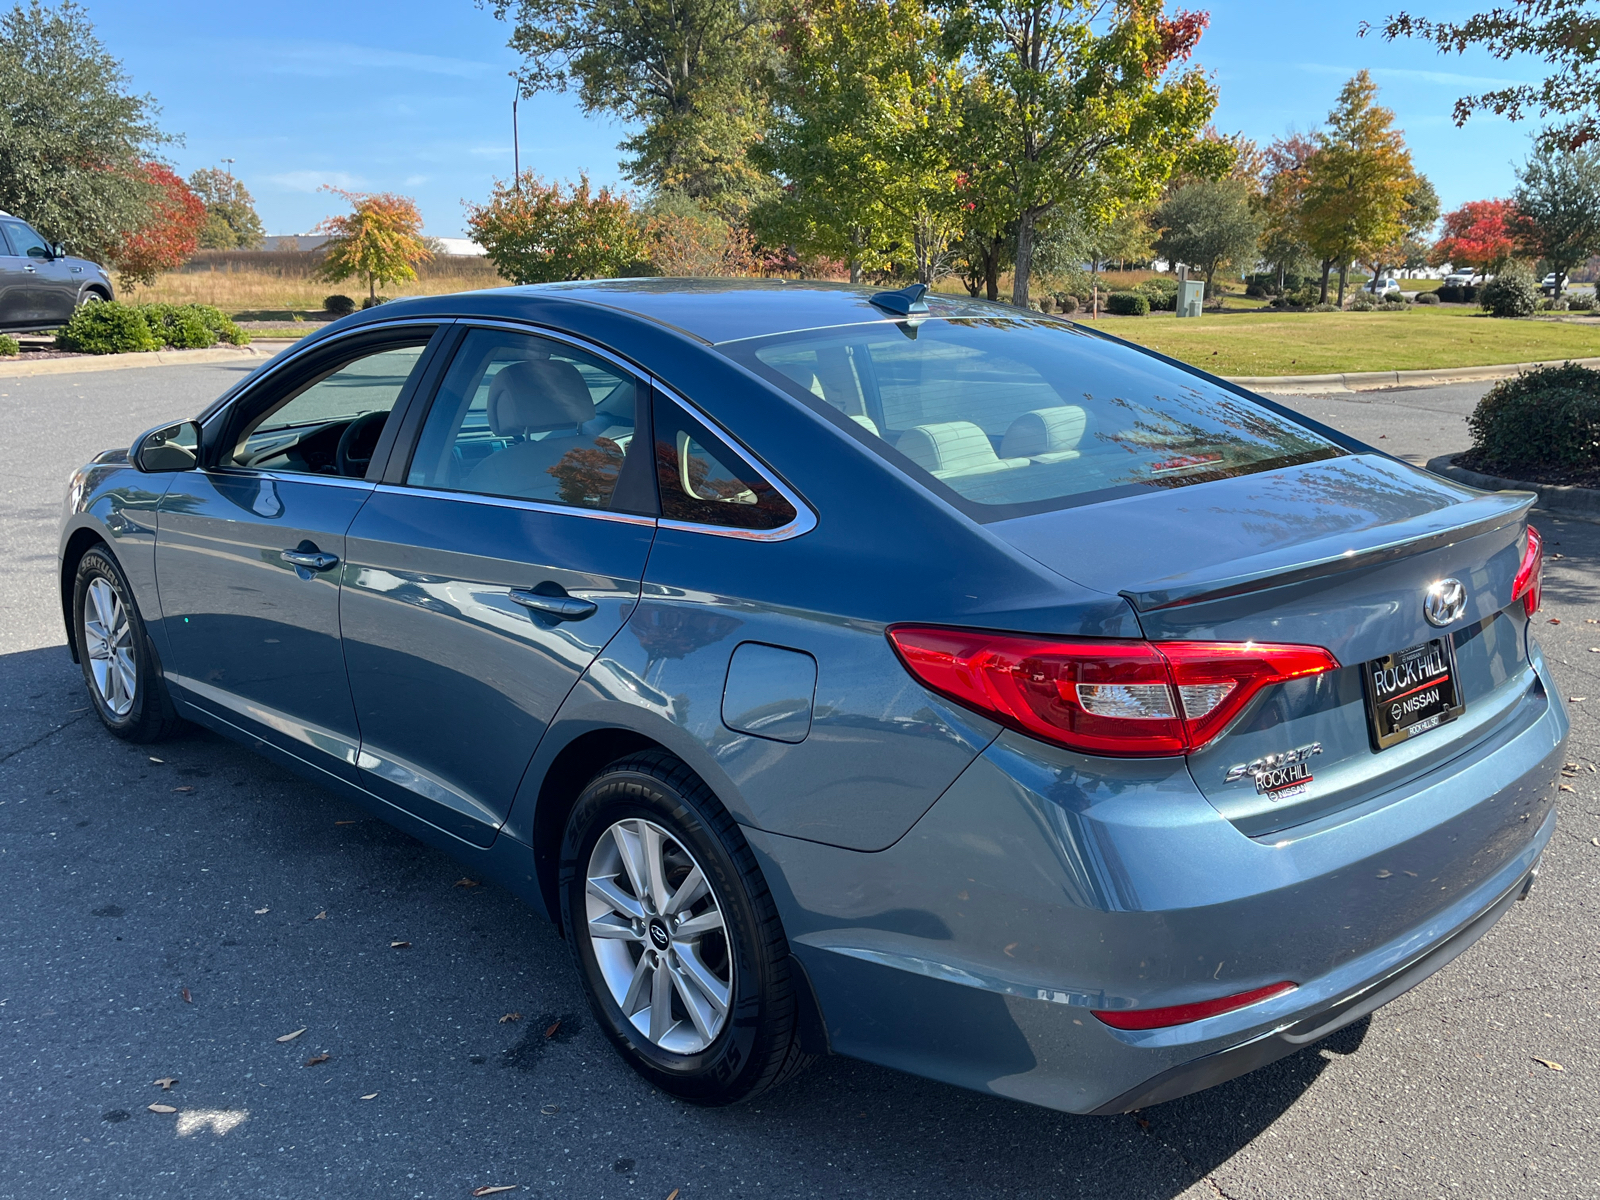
(728, 310)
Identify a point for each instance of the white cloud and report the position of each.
(310, 181)
(1446, 78)
(330, 59)
(416, 180)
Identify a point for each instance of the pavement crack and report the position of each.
(42, 738)
(1195, 1172)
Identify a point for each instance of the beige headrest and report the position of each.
(538, 395)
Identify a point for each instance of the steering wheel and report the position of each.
(357, 442)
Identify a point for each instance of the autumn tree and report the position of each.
(1354, 200)
(1564, 33)
(687, 73)
(1417, 218)
(1285, 163)
(231, 220)
(1558, 200)
(1088, 107)
(169, 233)
(1480, 234)
(74, 137)
(864, 108)
(543, 233)
(380, 240)
(1208, 224)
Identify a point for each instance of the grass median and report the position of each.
(1415, 339)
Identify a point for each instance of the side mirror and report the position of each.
(57, 251)
(167, 448)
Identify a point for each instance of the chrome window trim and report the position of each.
(288, 476)
(560, 510)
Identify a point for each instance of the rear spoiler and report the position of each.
(1333, 555)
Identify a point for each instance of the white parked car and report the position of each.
(1382, 287)
(1462, 279)
(1548, 284)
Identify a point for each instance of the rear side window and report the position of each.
(704, 482)
(1012, 416)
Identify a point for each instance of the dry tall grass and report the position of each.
(281, 280)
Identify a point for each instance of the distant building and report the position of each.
(452, 247)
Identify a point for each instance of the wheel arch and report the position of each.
(79, 542)
(98, 290)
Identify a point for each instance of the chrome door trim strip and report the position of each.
(289, 476)
(562, 510)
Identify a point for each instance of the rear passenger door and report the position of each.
(491, 567)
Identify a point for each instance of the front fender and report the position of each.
(110, 502)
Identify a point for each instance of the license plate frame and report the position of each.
(1398, 687)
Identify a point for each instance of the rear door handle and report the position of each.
(311, 560)
(559, 608)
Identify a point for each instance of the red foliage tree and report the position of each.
(170, 233)
(1481, 233)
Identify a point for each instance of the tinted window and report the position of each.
(1014, 416)
(302, 430)
(530, 418)
(704, 481)
(24, 241)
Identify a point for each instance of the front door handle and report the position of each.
(31, 270)
(559, 608)
(311, 560)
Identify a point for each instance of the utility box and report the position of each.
(1191, 297)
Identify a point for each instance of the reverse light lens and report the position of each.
(1183, 1014)
(1529, 582)
(1122, 698)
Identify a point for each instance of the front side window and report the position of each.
(529, 418)
(331, 425)
(1011, 416)
(705, 482)
(25, 243)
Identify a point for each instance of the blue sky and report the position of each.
(415, 97)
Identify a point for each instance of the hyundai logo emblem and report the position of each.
(1445, 602)
(659, 935)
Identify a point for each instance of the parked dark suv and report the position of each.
(40, 284)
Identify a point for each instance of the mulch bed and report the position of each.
(1588, 477)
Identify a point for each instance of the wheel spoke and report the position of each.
(690, 890)
(613, 927)
(696, 1004)
(633, 999)
(698, 927)
(654, 845)
(100, 597)
(660, 1005)
(607, 890)
(712, 988)
(627, 844)
(99, 644)
(125, 672)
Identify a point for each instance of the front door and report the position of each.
(249, 550)
(488, 575)
(16, 279)
(44, 275)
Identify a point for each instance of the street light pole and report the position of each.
(516, 142)
(229, 161)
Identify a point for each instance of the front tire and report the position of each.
(675, 934)
(119, 668)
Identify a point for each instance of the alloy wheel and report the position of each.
(108, 641)
(658, 936)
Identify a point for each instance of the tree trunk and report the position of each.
(1280, 279)
(1327, 266)
(1024, 263)
(855, 270)
(991, 269)
(1344, 271)
(372, 287)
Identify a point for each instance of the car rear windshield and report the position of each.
(1006, 416)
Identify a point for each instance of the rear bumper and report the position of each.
(1043, 886)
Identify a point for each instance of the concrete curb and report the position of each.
(1558, 497)
(18, 368)
(1370, 381)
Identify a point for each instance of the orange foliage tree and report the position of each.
(169, 235)
(380, 239)
(1481, 233)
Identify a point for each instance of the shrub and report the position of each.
(1584, 303)
(1547, 417)
(1514, 292)
(1363, 302)
(1066, 303)
(1128, 304)
(1044, 304)
(1394, 298)
(1257, 291)
(9, 346)
(219, 323)
(1427, 297)
(338, 305)
(1162, 293)
(174, 325)
(373, 301)
(109, 328)
(1448, 293)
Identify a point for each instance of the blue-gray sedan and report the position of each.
(904, 677)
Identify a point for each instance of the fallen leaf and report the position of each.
(166, 1084)
(1577, 699)
(262, 911)
(1555, 621)
(1567, 787)
(160, 1108)
(673, 1195)
(503, 1187)
(399, 945)
(153, 758)
(289, 1037)
(1595, 841)
(321, 916)
(370, 1096)
(510, 1018)
(1554, 1066)
(551, 1032)
(465, 882)
(549, 1110)
(344, 822)
(187, 999)
(1591, 621)
(318, 1058)
(188, 787)
(1007, 950)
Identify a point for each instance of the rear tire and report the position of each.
(114, 650)
(694, 951)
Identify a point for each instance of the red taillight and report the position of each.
(1124, 698)
(1530, 575)
(1182, 1014)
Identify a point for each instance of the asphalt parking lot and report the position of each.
(172, 912)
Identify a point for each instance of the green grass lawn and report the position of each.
(1328, 343)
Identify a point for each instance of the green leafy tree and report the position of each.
(1558, 202)
(1084, 108)
(1209, 224)
(1354, 202)
(74, 140)
(544, 233)
(380, 240)
(1284, 175)
(1417, 219)
(864, 106)
(231, 220)
(688, 73)
(1564, 33)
